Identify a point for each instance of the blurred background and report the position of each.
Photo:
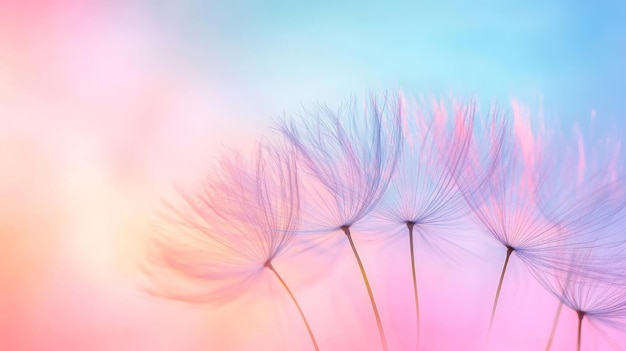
(105, 104)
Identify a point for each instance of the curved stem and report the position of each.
(554, 324)
(410, 226)
(379, 322)
(581, 315)
(509, 251)
(293, 298)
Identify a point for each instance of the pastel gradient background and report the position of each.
(105, 104)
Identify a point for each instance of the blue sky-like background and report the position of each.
(276, 55)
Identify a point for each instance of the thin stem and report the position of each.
(509, 251)
(293, 298)
(581, 315)
(379, 323)
(410, 226)
(554, 324)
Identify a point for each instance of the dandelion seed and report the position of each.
(423, 195)
(235, 227)
(593, 287)
(584, 207)
(512, 204)
(351, 155)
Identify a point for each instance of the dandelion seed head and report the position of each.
(505, 203)
(540, 196)
(244, 216)
(349, 156)
(591, 283)
(423, 192)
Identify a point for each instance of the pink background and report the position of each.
(103, 105)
